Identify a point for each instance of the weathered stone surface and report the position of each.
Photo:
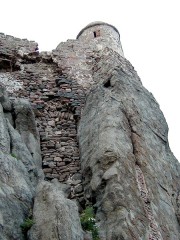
(94, 32)
(55, 216)
(19, 175)
(126, 161)
(26, 126)
(21, 152)
(14, 51)
(4, 136)
(4, 100)
(16, 197)
(88, 236)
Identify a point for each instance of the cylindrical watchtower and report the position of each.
(103, 34)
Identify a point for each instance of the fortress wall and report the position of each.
(57, 102)
(12, 48)
(9, 44)
(57, 99)
(56, 84)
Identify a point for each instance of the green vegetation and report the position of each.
(13, 155)
(88, 222)
(26, 225)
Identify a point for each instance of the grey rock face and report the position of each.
(55, 216)
(20, 151)
(4, 136)
(7, 105)
(16, 195)
(19, 172)
(129, 170)
(26, 126)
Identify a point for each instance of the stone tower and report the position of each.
(103, 35)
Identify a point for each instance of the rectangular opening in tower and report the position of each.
(96, 33)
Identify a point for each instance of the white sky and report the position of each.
(150, 36)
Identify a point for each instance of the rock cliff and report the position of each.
(20, 168)
(77, 129)
(130, 173)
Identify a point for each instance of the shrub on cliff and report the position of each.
(88, 222)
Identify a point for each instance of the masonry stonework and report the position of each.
(56, 84)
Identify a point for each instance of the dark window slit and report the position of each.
(107, 84)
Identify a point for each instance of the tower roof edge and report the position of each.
(96, 24)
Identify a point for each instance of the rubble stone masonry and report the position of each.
(56, 84)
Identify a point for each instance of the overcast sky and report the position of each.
(150, 36)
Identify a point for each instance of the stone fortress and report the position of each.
(98, 128)
(56, 85)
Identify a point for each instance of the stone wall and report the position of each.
(56, 84)
(14, 51)
(57, 103)
(76, 60)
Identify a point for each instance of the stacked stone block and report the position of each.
(57, 103)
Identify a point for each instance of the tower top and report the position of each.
(100, 35)
(97, 23)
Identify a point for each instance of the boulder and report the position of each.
(55, 216)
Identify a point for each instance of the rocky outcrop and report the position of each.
(130, 173)
(16, 196)
(20, 170)
(55, 216)
(25, 124)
